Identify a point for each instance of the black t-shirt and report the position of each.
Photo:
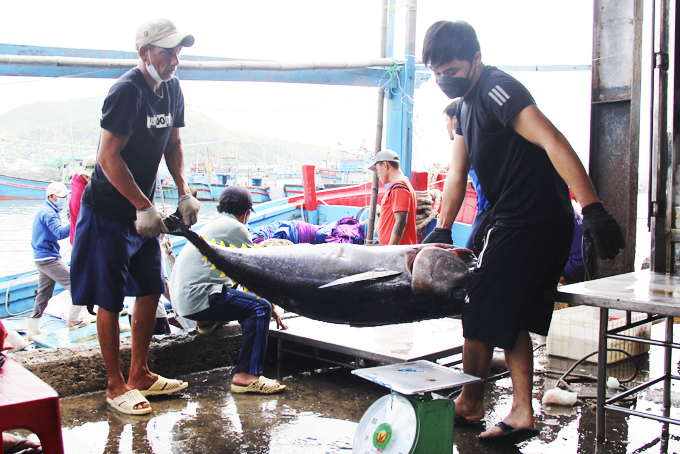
(133, 109)
(517, 177)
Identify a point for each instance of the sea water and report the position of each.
(16, 224)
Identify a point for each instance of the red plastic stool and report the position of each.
(26, 402)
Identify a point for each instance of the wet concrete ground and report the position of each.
(320, 410)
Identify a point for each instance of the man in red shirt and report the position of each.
(399, 205)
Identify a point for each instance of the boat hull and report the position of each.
(22, 188)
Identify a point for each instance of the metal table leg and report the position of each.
(601, 376)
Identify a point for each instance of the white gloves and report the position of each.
(150, 223)
(189, 208)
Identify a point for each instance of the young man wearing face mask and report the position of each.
(526, 168)
(116, 252)
(47, 231)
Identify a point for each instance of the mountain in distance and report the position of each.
(43, 129)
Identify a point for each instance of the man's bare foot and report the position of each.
(112, 393)
(244, 379)
(511, 420)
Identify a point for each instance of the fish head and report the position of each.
(441, 272)
(175, 224)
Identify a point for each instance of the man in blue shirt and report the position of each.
(47, 230)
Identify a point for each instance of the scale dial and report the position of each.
(389, 426)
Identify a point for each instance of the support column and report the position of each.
(615, 120)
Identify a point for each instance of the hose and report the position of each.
(562, 380)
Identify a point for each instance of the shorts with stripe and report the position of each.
(516, 268)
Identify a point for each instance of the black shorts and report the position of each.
(507, 291)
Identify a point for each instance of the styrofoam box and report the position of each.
(574, 333)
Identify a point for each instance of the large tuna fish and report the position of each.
(346, 283)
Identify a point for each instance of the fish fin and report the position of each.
(222, 274)
(205, 259)
(222, 244)
(213, 267)
(214, 241)
(243, 246)
(362, 277)
(231, 245)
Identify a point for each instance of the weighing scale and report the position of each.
(409, 420)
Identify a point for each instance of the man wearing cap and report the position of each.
(116, 252)
(526, 167)
(204, 294)
(47, 231)
(78, 182)
(399, 205)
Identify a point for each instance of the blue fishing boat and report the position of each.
(12, 188)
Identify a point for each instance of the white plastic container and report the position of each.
(574, 333)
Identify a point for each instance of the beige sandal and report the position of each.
(164, 386)
(263, 385)
(208, 329)
(126, 403)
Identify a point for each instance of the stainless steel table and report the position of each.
(429, 339)
(658, 295)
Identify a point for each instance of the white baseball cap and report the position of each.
(161, 33)
(57, 188)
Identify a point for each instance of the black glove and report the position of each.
(601, 230)
(439, 236)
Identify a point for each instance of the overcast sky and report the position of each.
(521, 32)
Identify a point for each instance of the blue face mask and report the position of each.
(154, 74)
(60, 202)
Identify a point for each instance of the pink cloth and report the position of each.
(78, 184)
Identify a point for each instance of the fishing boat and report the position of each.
(22, 188)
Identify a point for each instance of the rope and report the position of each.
(428, 206)
(33, 273)
(169, 253)
(433, 175)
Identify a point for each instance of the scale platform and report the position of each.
(415, 377)
(409, 420)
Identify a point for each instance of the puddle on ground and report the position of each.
(320, 410)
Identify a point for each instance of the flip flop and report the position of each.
(208, 329)
(164, 386)
(82, 324)
(21, 446)
(511, 435)
(462, 421)
(126, 403)
(263, 385)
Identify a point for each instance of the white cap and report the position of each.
(87, 167)
(161, 33)
(57, 188)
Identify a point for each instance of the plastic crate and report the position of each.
(574, 333)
